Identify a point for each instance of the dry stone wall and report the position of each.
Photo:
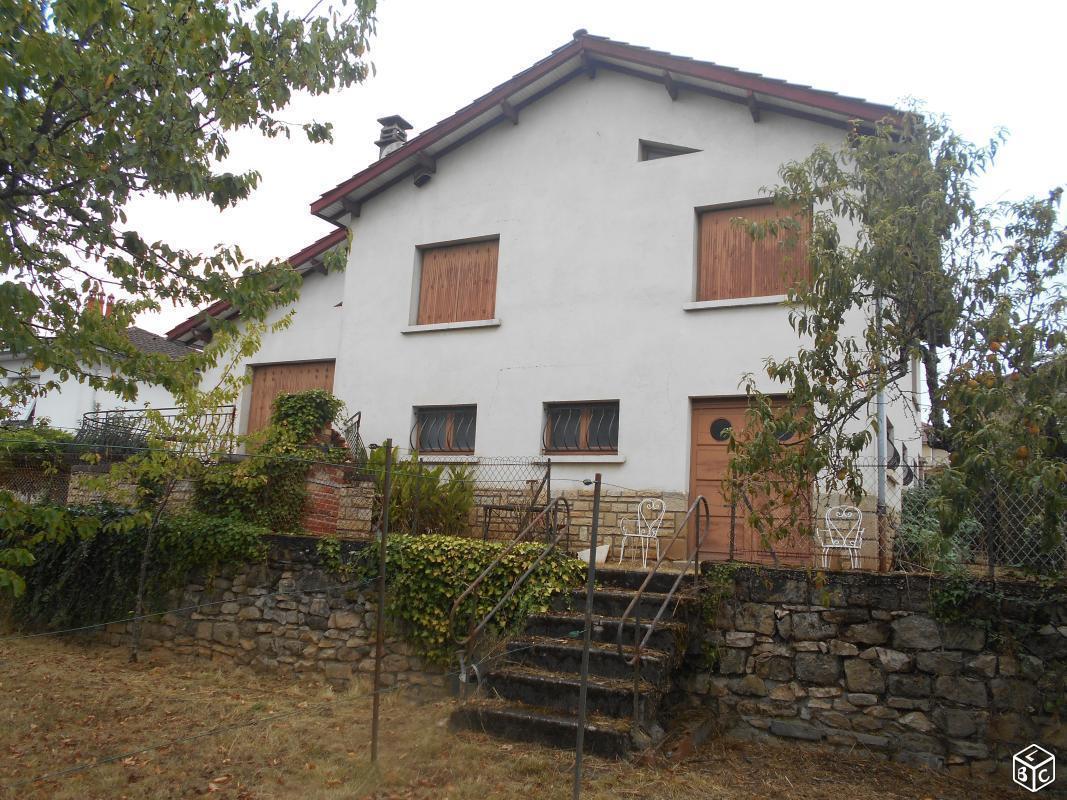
(288, 615)
(859, 660)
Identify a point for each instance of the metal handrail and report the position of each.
(476, 630)
(640, 645)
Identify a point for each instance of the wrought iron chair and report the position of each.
(843, 532)
(645, 527)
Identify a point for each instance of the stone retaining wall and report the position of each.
(288, 615)
(859, 660)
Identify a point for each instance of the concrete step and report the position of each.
(631, 579)
(614, 602)
(670, 637)
(565, 655)
(609, 697)
(604, 736)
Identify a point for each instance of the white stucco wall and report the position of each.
(65, 405)
(597, 259)
(313, 334)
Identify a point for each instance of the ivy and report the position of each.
(425, 575)
(270, 487)
(91, 575)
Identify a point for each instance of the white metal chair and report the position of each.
(646, 524)
(843, 532)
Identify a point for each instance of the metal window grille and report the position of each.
(444, 429)
(581, 427)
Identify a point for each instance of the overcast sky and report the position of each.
(983, 64)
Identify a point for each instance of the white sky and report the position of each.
(984, 64)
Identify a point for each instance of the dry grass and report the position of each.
(64, 704)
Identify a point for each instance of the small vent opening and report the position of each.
(650, 151)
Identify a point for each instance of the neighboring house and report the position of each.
(65, 406)
(552, 270)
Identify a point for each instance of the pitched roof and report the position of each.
(303, 261)
(584, 55)
(148, 342)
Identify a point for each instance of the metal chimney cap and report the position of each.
(395, 120)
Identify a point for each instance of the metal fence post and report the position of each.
(379, 647)
(590, 587)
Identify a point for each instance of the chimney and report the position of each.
(110, 305)
(393, 135)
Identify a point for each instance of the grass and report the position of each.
(68, 703)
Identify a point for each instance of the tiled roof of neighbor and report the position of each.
(148, 342)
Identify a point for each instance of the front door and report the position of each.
(712, 422)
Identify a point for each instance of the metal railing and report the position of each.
(698, 512)
(123, 431)
(549, 514)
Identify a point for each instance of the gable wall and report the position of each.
(597, 259)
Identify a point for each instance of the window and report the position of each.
(732, 265)
(23, 412)
(650, 151)
(444, 429)
(582, 427)
(457, 283)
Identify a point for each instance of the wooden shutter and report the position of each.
(458, 283)
(271, 380)
(733, 265)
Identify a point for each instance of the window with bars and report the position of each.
(732, 265)
(444, 429)
(457, 283)
(591, 428)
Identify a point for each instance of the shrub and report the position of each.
(425, 575)
(91, 577)
(438, 498)
(39, 445)
(921, 538)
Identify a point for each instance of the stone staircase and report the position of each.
(531, 692)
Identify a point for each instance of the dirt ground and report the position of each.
(66, 705)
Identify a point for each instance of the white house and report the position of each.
(66, 405)
(551, 270)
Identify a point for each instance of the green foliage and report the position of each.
(975, 295)
(92, 576)
(102, 101)
(425, 575)
(923, 540)
(269, 488)
(39, 446)
(433, 498)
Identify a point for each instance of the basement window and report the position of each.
(650, 151)
(444, 429)
(582, 428)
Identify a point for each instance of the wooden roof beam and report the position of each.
(509, 111)
(588, 65)
(353, 207)
(753, 106)
(672, 87)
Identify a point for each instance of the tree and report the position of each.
(102, 100)
(974, 294)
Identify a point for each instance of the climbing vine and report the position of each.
(269, 487)
(425, 575)
(91, 576)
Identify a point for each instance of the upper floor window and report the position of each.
(732, 265)
(582, 427)
(444, 429)
(457, 282)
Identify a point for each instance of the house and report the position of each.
(66, 405)
(552, 270)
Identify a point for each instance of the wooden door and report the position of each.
(271, 380)
(709, 459)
